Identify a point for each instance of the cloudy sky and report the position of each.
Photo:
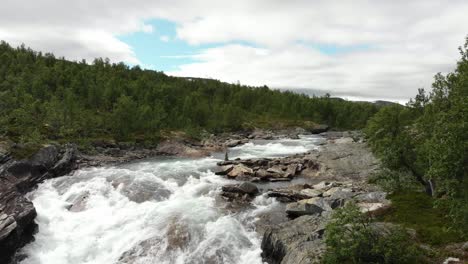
(353, 49)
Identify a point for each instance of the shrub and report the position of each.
(352, 237)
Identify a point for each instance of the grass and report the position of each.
(416, 210)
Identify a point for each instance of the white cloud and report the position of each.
(409, 41)
(165, 38)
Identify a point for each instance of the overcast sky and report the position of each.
(353, 49)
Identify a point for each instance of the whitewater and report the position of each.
(159, 210)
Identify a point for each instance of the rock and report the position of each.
(17, 213)
(324, 185)
(287, 196)
(112, 151)
(295, 242)
(344, 140)
(317, 129)
(372, 197)
(78, 204)
(451, 260)
(178, 148)
(291, 170)
(299, 209)
(67, 163)
(239, 171)
(281, 179)
(224, 170)
(16, 221)
(307, 207)
(233, 143)
(46, 156)
(243, 188)
(465, 246)
(373, 208)
(249, 188)
(311, 192)
(339, 193)
(7, 225)
(178, 235)
(277, 170)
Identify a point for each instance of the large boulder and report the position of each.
(240, 170)
(16, 221)
(295, 242)
(317, 129)
(17, 213)
(46, 156)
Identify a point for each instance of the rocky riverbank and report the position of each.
(20, 176)
(332, 176)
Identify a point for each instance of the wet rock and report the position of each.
(224, 170)
(78, 204)
(295, 242)
(16, 221)
(243, 188)
(178, 236)
(248, 188)
(17, 213)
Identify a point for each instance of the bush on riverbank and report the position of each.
(352, 237)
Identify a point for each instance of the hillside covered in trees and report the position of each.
(43, 97)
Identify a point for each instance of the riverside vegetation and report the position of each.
(422, 146)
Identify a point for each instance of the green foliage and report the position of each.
(429, 139)
(351, 237)
(394, 180)
(64, 100)
(416, 210)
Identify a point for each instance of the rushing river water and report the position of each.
(162, 210)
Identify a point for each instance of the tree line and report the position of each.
(47, 98)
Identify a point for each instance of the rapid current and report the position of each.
(159, 210)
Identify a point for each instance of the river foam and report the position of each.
(164, 210)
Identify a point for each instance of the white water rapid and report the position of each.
(162, 210)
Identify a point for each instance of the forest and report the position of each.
(46, 98)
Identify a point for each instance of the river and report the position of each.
(159, 210)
